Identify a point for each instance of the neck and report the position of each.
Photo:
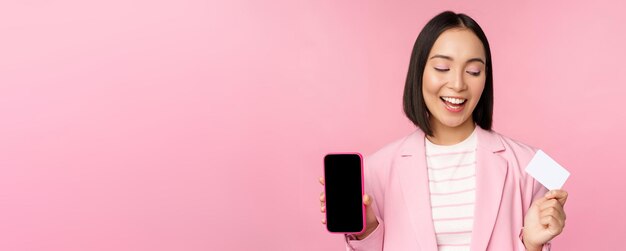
(444, 135)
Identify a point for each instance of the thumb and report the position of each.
(367, 200)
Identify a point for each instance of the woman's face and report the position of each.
(454, 78)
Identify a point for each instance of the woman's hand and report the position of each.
(371, 222)
(544, 220)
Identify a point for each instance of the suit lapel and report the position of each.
(410, 166)
(491, 171)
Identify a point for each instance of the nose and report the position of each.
(457, 83)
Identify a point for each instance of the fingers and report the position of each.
(322, 200)
(553, 224)
(551, 203)
(323, 206)
(552, 207)
(555, 211)
(558, 194)
(552, 215)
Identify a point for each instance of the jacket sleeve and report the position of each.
(373, 242)
(375, 179)
(538, 191)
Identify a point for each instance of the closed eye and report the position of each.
(441, 69)
(474, 73)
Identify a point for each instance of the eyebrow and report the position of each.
(451, 59)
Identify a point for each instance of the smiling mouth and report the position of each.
(454, 104)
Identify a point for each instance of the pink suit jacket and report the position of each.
(397, 179)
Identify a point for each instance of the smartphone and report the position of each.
(343, 174)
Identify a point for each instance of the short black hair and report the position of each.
(414, 106)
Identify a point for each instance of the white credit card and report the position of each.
(547, 171)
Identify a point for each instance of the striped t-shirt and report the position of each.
(452, 181)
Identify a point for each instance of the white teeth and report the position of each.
(455, 101)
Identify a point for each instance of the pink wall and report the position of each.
(187, 125)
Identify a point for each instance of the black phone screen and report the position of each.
(344, 195)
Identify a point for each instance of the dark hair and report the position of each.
(414, 105)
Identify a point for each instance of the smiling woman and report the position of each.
(454, 184)
(451, 55)
(453, 82)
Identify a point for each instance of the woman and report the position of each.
(454, 184)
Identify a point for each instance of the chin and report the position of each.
(452, 123)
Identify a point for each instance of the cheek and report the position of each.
(432, 82)
(477, 89)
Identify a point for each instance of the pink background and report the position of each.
(194, 125)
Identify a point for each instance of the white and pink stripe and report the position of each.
(452, 182)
